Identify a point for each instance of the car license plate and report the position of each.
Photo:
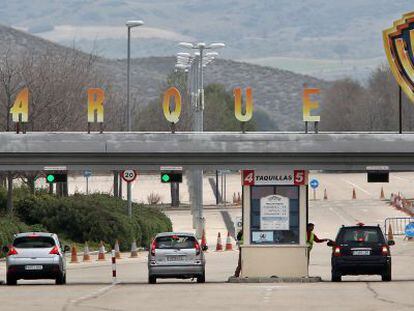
(175, 258)
(361, 253)
(33, 267)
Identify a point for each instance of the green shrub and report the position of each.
(95, 217)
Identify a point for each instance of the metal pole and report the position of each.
(217, 188)
(87, 185)
(128, 78)
(129, 113)
(400, 108)
(129, 199)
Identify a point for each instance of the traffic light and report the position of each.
(168, 177)
(56, 177)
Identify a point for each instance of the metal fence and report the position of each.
(397, 224)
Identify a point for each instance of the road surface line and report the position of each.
(339, 215)
(356, 186)
(401, 178)
(92, 295)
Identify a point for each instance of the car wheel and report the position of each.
(336, 277)
(11, 281)
(152, 279)
(61, 279)
(201, 278)
(386, 276)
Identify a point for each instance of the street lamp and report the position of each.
(196, 64)
(130, 24)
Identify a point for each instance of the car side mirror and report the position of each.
(66, 249)
(204, 248)
(5, 249)
(331, 243)
(391, 242)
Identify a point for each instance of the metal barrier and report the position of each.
(398, 224)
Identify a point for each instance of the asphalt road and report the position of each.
(89, 285)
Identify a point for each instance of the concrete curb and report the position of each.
(313, 279)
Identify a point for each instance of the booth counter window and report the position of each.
(274, 215)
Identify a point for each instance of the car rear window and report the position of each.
(175, 241)
(361, 235)
(34, 242)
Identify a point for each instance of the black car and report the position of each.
(361, 250)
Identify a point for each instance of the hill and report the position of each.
(320, 34)
(276, 91)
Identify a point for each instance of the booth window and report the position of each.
(289, 232)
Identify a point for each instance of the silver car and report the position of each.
(176, 255)
(35, 255)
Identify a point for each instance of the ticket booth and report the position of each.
(275, 209)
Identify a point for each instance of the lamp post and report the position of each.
(196, 64)
(130, 24)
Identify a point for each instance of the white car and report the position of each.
(35, 255)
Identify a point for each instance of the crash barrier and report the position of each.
(113, 266)
(401, 203)
(397, 225)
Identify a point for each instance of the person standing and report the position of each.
(311, 238)
(239, 243)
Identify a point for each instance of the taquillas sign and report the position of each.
(294, 177)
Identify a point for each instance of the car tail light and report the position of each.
(337, 251)
(54, 251)
(12, 251)
(197, 247)
(153, 247)
(385, 251)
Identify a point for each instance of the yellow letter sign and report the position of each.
(309, 105)
(20, 109)
(172, 116)
(96, 99)
(238, 104)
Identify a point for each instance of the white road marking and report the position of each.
(339, 215)
(356, 186)
(94, 294)
(401, 178)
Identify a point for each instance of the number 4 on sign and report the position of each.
(20, 108)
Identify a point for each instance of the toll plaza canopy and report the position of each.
(231, 150)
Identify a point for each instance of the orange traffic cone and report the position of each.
(74, 255)
(117, 252)
(219, 245)
(229, 245)
(101, 254)
(203, 239)
(325, 195)
(86, 255)
(390, 235)
(353, 194)
(382, 196)
(134, 250)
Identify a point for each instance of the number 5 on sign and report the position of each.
(299, 178)
(20, 108)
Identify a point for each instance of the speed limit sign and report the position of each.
(129, 175)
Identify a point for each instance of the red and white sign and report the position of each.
(288, 177)
(129, 175)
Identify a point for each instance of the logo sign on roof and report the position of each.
(399, 47)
